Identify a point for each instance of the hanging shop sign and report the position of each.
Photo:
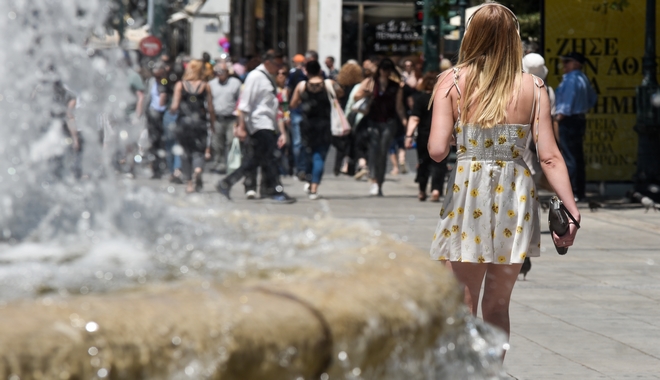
(395, 37)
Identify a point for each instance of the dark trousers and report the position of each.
(427, 166)
(157, 148)
(261, 152)
(571, 137)
(380, 139)
(344, 147)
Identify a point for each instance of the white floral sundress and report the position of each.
(491, 210)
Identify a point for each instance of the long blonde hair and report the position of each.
(194, 70)
(491, 55)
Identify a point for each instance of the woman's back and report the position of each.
(193, 96)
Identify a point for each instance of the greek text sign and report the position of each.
(610, 34)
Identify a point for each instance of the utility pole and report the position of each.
(647, 177)
(462, 6)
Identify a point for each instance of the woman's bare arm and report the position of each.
(442, 121)
(554, 167)
(296, 99)
(176, 98)
(400, 109)
(366, 89)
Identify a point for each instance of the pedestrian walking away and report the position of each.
(489, 220)
(258, 117)
(575, 96)
(193, 101)
(315, 103)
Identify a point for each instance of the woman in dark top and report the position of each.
(386, 105)
(312, 96)
(420, 119)
(193, 100)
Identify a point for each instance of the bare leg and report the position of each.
(500, 280)
(471, 275)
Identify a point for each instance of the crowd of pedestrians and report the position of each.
(280, 117)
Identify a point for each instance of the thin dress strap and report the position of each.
(536, 108)
(458, 90)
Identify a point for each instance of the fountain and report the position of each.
(102, 279)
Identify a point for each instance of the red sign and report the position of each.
(150, 46)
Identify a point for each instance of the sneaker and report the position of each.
(282, 198)
(374, 189)
(314, 196)
(223, 189)
(307, 187)
(251, 194)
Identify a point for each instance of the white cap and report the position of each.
(535, 64)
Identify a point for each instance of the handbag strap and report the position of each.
(332, 95)
(570, 216)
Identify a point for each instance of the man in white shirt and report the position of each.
(257, 123)
(226, 90)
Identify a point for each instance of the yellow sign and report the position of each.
(610, 34)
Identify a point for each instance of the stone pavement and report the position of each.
(592, 314)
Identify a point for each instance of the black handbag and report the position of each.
(559, 219)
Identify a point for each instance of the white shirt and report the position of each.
(258, 101)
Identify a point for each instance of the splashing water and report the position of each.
(65, 235)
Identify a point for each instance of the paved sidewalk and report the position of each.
(592, 314)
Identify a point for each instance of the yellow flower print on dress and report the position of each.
(474, 158)
(460, 210)
(495, 207)
(477, 239)
(466, 183)
(499, 189)
(477, 213)
(462, 149)
(523, 198)
(488, 143)
(442, 258)
(464, 236)
(513, 186)
(475, 166)
(523, 255)
(491, 174)
(459, 129)
(481, 259)
(500, 163)
(473, 142)
(451, 214)
(515, 154)
(532, 193)
(501, 259)
(501, 140)
(460, 169)
(492, 234)
(435, 236)
(527, 173)
(515, 171)
(474, 192)
(519, 229)
(507, 232)
(454, 228)
(456, 188)
(520, 133)
(446, 233)
(511, 213)
(442, 211)
(527, 217)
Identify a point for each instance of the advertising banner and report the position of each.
(610, 34)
